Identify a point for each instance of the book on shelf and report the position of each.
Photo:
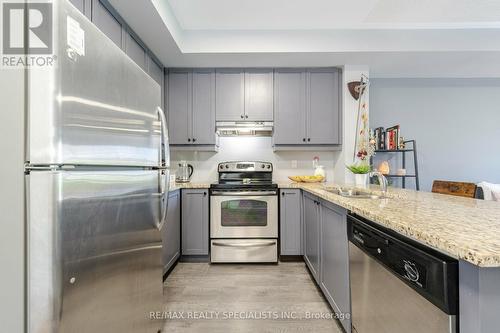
(392, 137)
(379, 138)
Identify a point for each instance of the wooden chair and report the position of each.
(461, 189)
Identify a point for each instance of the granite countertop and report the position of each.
(464, 228)
(175, 186)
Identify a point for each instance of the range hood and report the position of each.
(244, 128)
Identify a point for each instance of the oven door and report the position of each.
(243, 215)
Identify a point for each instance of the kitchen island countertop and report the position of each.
(467, 229)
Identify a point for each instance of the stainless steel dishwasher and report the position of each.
(398, 285)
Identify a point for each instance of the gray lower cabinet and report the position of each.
(312, 234)
(195, 222)
(334, 258)
(307, 108)
(171, 231)
(191, 107)
(290, 222)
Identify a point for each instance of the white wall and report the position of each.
(349, 118)
(254, 148)
(456, 123)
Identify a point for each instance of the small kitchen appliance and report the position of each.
(244, 213)
(184, 173)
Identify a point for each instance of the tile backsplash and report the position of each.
(253, 148)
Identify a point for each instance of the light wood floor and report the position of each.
(250, 291)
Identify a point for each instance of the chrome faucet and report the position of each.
(381, 180)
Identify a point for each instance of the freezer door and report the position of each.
(94, 251)
(95, 107)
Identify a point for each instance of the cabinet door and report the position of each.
(289, 106)
(229, 90)
(106, 22)
(135, 51)
(323, 94)
(195, 222)
(171, 231)
(335, 260)
(156, 72)
(259, 95)
(290, 222)
(203, 107)
(311, 234)
(83, 6)
(179, 107)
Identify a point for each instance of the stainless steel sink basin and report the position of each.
(354, 193)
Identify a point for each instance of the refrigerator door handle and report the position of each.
(163, 177)
(164, 153)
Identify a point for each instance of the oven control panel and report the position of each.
(245, 166)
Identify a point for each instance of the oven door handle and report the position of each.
(244, 193)
(244, 245)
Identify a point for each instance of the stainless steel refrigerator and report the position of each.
(96, 182)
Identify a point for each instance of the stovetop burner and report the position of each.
(245, 175)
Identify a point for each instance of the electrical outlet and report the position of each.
(294, 164)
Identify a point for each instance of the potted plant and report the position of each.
(360, 171)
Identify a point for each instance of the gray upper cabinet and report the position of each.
(289, 106)
(259, 94)
(203, 107)
(307, 107)
(244, 94)
(335, 260)
(312, 234)
(171, 231)
(323, 101)
(106, 22)
(191, 107)
(195, 222)
(155, 70)
(83, 6)
(230, 94)
(135, 51)
(290, 222)
(179, 107)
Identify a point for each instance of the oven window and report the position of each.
(244, 213)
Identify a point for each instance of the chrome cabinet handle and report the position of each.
(243, 245)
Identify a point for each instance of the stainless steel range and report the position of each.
(244, 213)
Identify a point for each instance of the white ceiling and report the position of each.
(331, 14)
(395, 38)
